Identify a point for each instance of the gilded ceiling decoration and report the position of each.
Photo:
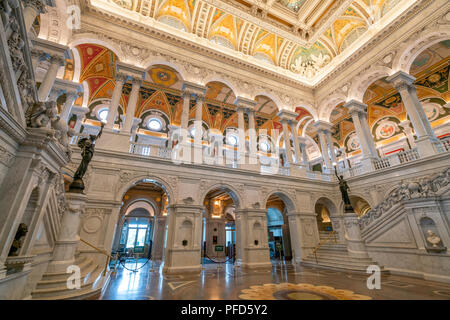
(161, 93)
(299, 36)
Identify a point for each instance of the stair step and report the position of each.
(57, 292)
(341, 263)
(42, 284)
(339, 267)
(82, 263)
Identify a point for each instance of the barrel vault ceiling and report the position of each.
(298, 38)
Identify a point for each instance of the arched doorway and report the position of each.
(278, 230)
(219, 226)
(328, 219)
(142, 225)
(360, 205)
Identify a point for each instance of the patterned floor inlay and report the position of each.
(282, 281)
(300, 291)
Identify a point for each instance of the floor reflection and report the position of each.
(282, 281)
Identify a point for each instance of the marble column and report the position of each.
(80, 112)
(199, 118)
(251, 238)
(184, 239)
(293, 124)
(322, 128)
(121, 78)
(287, 141)
(67, 108)
(36, 56)
(159, 232)
(198, 146)
(241, 130)
(247, 160)
(355, 244)
(185, 111)
(426, 138)
(69, 233)
(134, 128)
(331, 147)
(50, 77)
(302, 143)
(359, 116)
(252, 133)
(32, 8)
(132, 105)
(55, 93)
(408, 131)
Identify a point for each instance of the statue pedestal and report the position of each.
(355, 245)
(114, 141)
(69, 237)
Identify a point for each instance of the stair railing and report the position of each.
(108, 256)
(333, 233)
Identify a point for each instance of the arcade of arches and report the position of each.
(264, 141)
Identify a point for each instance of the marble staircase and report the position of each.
(53, 286)
(335, 256)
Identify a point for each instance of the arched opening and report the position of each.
(219, 226)
(279, 236)
(141, 230)
(360, 205)
(327, 218)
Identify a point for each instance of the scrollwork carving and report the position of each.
(423, 188)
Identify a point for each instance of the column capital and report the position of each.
(121, 77)
(131, 71)
(79, 111)
(200, 98)
(58, 60)
(193, 88)
(286, 115)
(302, 140)
(406, 124)
(38, 5)
(244, 103)
(49, 47)
(136, 82)
(401, 80)
(69, 86)
(322, 125)
(355, 106)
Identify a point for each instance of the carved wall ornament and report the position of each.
(407, 190)
(93, 219)
(188, 200)
(6, 157)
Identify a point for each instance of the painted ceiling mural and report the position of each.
(161, 95)
(385, 107)
(205, 20)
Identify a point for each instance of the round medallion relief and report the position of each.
(92, 224)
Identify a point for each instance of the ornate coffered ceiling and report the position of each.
(303, 40)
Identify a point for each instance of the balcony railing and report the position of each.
(396, 159)
(269, 164)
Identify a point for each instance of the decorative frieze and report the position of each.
(424, 188)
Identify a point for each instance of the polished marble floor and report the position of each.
(283, 281)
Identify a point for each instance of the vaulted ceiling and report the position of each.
(161, 92)
(301, 36)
